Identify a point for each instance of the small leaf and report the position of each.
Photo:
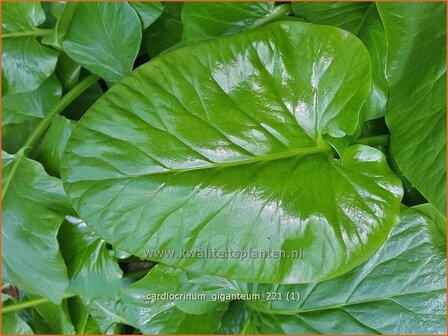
(57, 317)
(92, 268)
(166, 32)
(68, 71)
(26, 63)
(147, 11)
(104, 37)
(52, 145)
(23, 111)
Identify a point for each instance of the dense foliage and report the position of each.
(132, 129)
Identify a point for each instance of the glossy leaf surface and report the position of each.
(202, 21)
(26, 63)
(363, 20)
(220, 145)
(399, 290)
(52, 145)
(416, 110)
(33, 207)
(104, 37)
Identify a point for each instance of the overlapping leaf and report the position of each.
(33, 207)
(26, 63)
(363, 20)
(23, 111)
(92, 268)
(416, 110)
(399, 290)
(104, 37)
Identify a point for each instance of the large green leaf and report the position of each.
(363, 20)
(26, 63)
(401, 289)
(220, 145)
(416, 70)
(211, 19)
(23, 111)
(161, 315)
(92, 269)
(104, 37)
(33, 207)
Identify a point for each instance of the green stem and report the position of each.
(45, 122)
(277, 13)
(30, 303)
(379, 140)
(36, 32)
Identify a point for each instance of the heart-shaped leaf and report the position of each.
(221, 146)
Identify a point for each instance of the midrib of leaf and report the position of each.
(112, 314)
(35, 32)
(43, 125)
(320, 148)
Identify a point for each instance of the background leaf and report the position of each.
(23, 111)
(211, 19)
(147, 11)
(361, 19)
(104, 38)
(33, 207)
(26, 63)
(416, 110)
(52, 145)
(92, 268)
(12, 324)
(162, 316)
(166, 31)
